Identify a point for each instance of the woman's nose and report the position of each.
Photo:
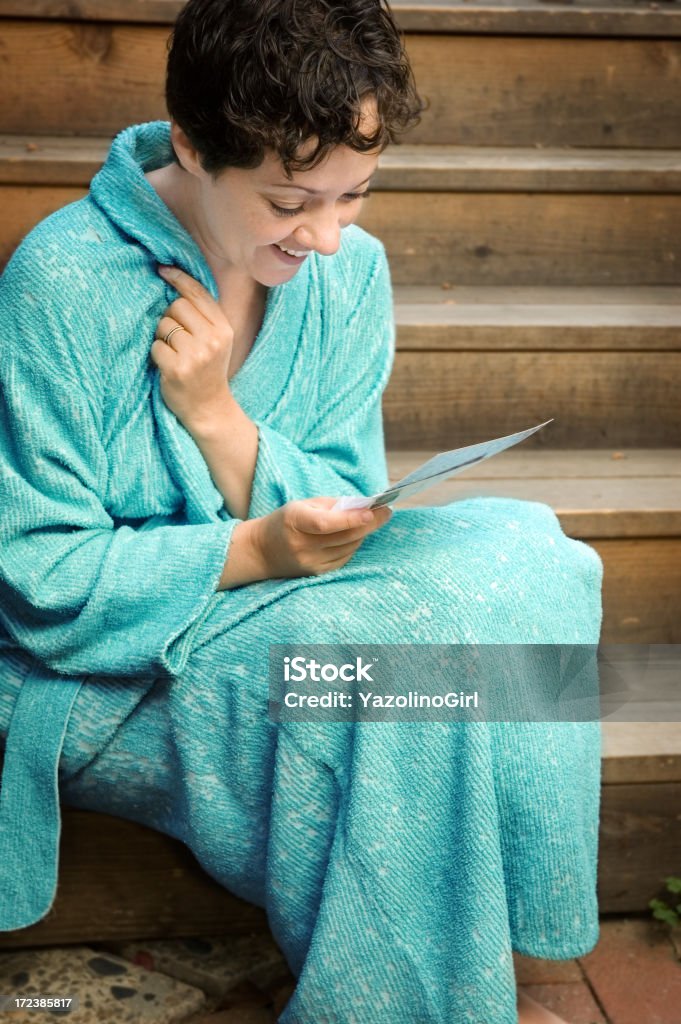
(321, 235)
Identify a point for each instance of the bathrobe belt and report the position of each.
(30, 819)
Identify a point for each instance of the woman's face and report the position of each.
(246, 218)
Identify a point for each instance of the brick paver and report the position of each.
(571, 1000)
(635, 973)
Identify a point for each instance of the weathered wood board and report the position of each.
(482, 90)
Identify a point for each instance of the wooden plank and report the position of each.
(639, 843)
(525, 169)
(121, 880)
(495, 91)
(597, 399)
(523, 239)
(538, 17)
(50, 159)
(511, 239)
(508, 17)
(94, 78)
(60, 160)
(637, 465)
(641, 752)
(83, 78)
(24, 207)
(641, 590)
(594, 495)
(571, 318)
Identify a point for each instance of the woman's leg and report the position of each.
(399, 862)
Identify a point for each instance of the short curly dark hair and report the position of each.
(245, 76)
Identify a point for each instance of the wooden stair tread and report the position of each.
(522, 168)
(594, 495)
(526, 317)
(73, 160)
(641, 752)
(526, 17)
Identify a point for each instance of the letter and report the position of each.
(293, 703)
(363, 671)
(348, 677)
(312, 667)
(298, 666)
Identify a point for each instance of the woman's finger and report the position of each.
(332, 540)
(194, 291)
(193, 319)
(176, 333)
(162, 355)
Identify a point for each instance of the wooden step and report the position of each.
(519, 238)
(73, 160)
(605, 385)
(412, 168)
(626, 505)
(554, 319)
(498, 17)
(119, 880)
(95, 77)
(562, 218)
(479, 238)
(596, 399)
(481, 362)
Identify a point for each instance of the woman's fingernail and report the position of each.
(163, 270)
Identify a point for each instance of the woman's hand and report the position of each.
(306, 538)
(194, 362)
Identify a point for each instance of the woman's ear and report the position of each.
(184, 150)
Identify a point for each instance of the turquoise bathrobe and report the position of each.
(400, 863)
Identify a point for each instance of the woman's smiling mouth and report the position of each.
(292, 257)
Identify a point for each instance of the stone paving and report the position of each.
(633, 976)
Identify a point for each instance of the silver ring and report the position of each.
(171, 332)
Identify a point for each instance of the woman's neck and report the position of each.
(174, 187)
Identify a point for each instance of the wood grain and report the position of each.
(119, 880)
(595, 494)
(528, 239)
(641, 590)
(63, 160)
(495, 91)
(597, 399)
(482, 90)
(482, 238)
(520, 17)
(639, 844)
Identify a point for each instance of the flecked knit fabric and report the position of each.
(399, 863)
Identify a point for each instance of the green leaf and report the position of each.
(658, 905)
(673, 884)
(666, 915)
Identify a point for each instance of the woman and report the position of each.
(173, 443)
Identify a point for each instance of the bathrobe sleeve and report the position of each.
(343, 451)
(78, 594)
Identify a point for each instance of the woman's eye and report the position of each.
(285, 211)
(350, 197)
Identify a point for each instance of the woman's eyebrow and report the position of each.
(314, 191)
